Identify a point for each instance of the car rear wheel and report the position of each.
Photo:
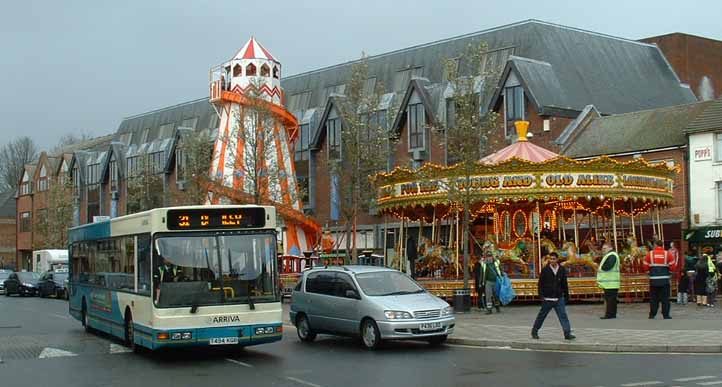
(437, 340)
(370, 335)
(303, 329)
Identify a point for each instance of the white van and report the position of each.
(48, 260)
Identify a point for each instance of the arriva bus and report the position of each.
(179, 276)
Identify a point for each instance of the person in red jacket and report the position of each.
(660, 264)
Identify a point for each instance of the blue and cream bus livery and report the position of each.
(180, 276)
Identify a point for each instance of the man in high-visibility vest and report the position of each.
(660, 265)
(609, 279)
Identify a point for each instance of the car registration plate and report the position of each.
(430, 326)
(224, 340)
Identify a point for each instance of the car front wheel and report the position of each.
(303, 329)
(437, 340)
(370, 335)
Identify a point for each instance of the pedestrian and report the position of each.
(712, 275)
(608, 278)
(553, 291)
(479, 282)
(660, 265)
(491, 271)
(412, 253)
(700, 280)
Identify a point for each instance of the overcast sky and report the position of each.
(81, 66)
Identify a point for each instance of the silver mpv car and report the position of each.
(375, 303)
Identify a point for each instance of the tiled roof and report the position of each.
(709, 120)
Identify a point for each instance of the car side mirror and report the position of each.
(352, 294)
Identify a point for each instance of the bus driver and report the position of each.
(166, 272)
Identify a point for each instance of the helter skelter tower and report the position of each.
(252, 156)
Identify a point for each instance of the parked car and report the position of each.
(52, 283)
(372, 302)
(4, 274)
(22, 283)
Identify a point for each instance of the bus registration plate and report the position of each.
(224, 340)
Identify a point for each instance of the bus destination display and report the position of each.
(213, 218)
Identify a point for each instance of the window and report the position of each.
(265, 70)
(343, 283)
(157, 161)
(416, 121)
(333, 130)
(165, 130)
(63, 175)
(719, 200)
(132, 166)
(276, 72)
(514, 107)
(113, 172)
(303, 138)
(180, 163)
(92, 175)
(718, 147)
(25, 187)
(237, 70)
(250, 70)
(76, 179)
(43, 180)
(302, 182)
(144, 136)
(450, 113)
(143, 264)
(107, 263)
(189, 123)
(26, 220)
(320, 283)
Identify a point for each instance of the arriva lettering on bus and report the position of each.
(225, 319)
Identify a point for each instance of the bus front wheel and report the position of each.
(86, 319)
(130, 333)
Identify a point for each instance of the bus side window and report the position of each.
(144, 264)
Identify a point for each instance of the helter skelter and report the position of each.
(526, 202)
(252, 156)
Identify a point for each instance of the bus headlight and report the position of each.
(176, 336)
(187, 335)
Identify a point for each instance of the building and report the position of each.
(696, 61)
(705, 178)
(657, 135)
(7, 230)
(541, 72)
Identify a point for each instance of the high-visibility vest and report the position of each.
(609, 279)
(711, 268)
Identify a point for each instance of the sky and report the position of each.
(81, 66)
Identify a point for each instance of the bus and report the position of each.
(179, 276)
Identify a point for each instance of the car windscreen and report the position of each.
(60, 277)
(4, 276)
(387, 283)
(28, 277)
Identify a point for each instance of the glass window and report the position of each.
(265, 70)
(321, 282)
(143, 248)
(718, 147)
(212, 269)
(26, 220)
(719, 200)
(343, 283)
(514, 107)
(180, 163)
(416, 126)
(250, 70)
(387, 283)
(333, 128)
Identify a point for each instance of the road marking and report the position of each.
(301, 381)
(115, 348)
(710, 383)
(607, 353)
(60, 315)
(694, 378)
(240, 363)
(54, 352)
(650, 383)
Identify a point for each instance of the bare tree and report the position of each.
(194, 152)
(144, 185)
(51, 225)
(471, 136)
(69, 139)
(361, 150)
(13, 157)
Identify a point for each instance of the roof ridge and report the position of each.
(468, 35)
(671, 107)
(164, 108)
(525, 59)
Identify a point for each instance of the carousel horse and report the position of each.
(594, 251)
(633, 255)
(547, 246)
(513, 256)
(572, 257)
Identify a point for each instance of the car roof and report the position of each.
(356, 269)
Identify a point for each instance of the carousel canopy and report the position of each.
(522, 149)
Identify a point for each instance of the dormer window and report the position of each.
(265, 71)
(250, 70)
(237, 70)
(276, 72)
(113, 172)
(333, 135)
(513, 107)
(417, 125)
(25, 186)
(43, 180)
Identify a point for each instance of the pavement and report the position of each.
(692, 329)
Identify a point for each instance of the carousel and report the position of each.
(526, 202)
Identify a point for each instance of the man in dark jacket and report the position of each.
(412, 252)
(553, 291)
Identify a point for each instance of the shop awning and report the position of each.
(704, 234)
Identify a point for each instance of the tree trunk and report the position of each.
(467, 230)
(348, 240)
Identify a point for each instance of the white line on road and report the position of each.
(650, 383)
(710, 383)
(694, 378)
(301, 381)
(61, 315)
(240, 363)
